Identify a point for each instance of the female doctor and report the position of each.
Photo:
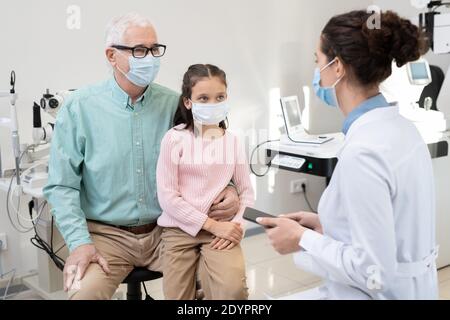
(374, 235)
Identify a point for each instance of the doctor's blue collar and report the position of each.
(378, 101)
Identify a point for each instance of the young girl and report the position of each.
(198, 159)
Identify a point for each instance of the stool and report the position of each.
(134, 279)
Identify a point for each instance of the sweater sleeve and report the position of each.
(188, 218)
(241, 179)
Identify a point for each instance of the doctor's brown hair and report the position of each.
(367, 53)
(194, 74)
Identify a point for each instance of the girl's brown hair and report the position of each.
(194, 74)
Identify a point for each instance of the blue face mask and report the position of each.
(143, 71)
(326, 94)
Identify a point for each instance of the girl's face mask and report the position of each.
(209, 113)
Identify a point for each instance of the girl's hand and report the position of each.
(225, 230)
(222, 244)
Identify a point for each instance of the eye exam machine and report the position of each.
(23, 186)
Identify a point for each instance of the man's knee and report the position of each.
(95, 285)
(100, 289)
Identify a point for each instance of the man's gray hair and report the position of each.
(118, 25)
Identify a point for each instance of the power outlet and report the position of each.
(3, 240)
(296, 185)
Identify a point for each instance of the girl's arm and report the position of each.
(241, 179)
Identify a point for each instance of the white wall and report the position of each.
(405, 9)
(261, 44)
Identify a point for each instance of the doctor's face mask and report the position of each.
(326, 94)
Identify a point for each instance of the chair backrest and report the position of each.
(433, 89)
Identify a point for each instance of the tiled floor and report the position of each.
(274, 275)
(268, 274)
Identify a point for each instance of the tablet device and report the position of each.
(252, 214)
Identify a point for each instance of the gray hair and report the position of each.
(118, 25)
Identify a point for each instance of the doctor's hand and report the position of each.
(226, 205)
(77, 263)
(284, 234)
(307, 219)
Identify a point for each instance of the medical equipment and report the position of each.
(293, 121)
(317, 161)
(51, 104)
(12, 122)
(435, 24)
(27, 180)
(405, 87)
(37, 176)
(31, 162)
(285, 161)
(443, 101)
(419, 72)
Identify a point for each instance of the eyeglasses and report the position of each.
(140, 52)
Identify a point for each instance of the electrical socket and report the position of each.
(3, 240)
(296, 185)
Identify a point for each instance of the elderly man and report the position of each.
(102, 184)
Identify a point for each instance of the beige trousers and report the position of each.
(123, 250)
(221, 272)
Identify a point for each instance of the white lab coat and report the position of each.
(378, 216)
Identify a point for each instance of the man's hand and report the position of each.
(284, 234)
(222, 244)
(225, 206)
(307, 219)
(78, 261)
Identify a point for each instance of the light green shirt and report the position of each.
(103, 158)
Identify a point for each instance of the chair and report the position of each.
(139, 275)
(134, 279)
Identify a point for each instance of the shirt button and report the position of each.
(141, 200)
(138, 170)
(138, 143)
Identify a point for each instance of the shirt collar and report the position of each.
(378, 101)
(122, 97)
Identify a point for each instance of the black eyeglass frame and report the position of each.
(132, 49)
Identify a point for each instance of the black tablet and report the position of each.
(252, 214)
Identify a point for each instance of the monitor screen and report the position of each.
(419, 71)
(293, 112)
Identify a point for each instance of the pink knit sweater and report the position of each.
(193, 171)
